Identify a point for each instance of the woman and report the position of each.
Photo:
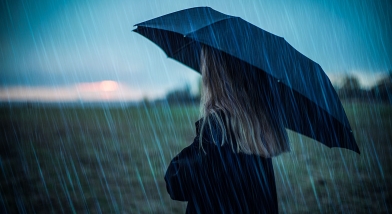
(228, 167)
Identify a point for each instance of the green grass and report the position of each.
(114, 160)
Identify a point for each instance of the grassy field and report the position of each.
(99, 160)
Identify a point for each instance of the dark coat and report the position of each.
(221, 181)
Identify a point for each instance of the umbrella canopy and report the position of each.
(298, 91)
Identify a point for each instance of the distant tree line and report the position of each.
(351, 89)
(181, 95)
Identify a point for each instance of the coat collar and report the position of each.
(198, 123)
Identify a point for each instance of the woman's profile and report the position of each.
(228, 167)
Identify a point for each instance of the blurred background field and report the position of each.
(113, 160)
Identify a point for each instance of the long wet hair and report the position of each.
(227, 88)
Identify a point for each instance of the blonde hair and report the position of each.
(227, 88)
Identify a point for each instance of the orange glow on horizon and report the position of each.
(108, 85)
(103, 86)
(105, 91)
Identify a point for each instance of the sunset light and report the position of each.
(101, 91)
(103, 86)
(108, 85)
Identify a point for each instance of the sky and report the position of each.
(85, 50)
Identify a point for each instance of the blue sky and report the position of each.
(50, 46)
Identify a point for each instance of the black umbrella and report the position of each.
(299, 92)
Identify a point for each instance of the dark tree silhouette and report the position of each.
(383, 89)
(182, 95)
(351, 88)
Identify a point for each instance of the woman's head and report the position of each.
(227, 86)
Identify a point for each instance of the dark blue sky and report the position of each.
(59, 43)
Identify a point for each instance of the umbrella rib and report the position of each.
(193, 41)
(186, 45)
